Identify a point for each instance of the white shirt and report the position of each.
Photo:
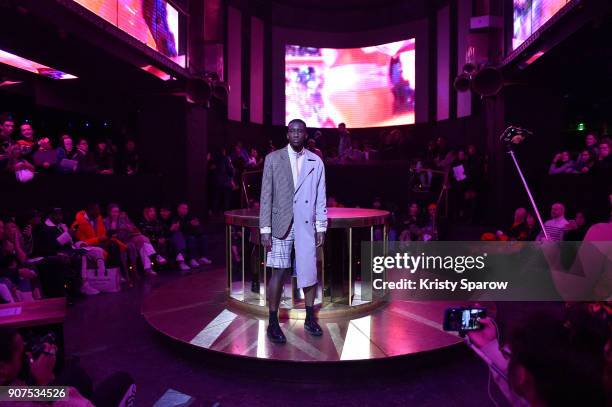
(293, 157)
(296, 161)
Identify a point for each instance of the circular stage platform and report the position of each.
(195, 310)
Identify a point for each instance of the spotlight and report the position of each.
(462, 82)
(488, 81)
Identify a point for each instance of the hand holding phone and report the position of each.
(463, 319)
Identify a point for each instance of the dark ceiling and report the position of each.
(338, 4)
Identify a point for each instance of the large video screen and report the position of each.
(530, 15)
(153, 22)
(32, 66)
(362, 87)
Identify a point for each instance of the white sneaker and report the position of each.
(194, 264)
(160, 260)
(183, 266)
(204, 260)
(180, 258)
(88, 290)
(150, 273)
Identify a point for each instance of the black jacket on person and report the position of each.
(186, 227)
(153, 229)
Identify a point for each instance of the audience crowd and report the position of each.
(593, 157)
(44, 256)
(25, 153)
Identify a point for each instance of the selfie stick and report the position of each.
(511, 137)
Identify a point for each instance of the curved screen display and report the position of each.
(530, 15)
(362, 87)
(153, 22)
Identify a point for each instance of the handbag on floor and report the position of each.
(108, 281)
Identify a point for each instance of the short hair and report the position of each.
(296, 121)
(342, 124)
(6, 118)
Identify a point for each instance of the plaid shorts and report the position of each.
(280, 254)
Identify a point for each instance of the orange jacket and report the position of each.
(85, 232)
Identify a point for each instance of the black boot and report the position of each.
(275, 332)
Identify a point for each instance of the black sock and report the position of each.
(309, 312)
(273, 317)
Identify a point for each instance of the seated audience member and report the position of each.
(549, 361)
(18, 267)
(320, 140)
(153, 229)
(17, 164)
(354, 152)
(429, 231)
(7, 127)
(255, 161)
(173, 234)
(533, 227)
(84, 159)
(562, 164)
(41, 370)
(311, 145)
(26, 140)
(576, 228)
(103, 157)
(131, 159)
(410, 225)
(45, 157)
(119, 226)
(223, 180)
(88, 228)
(591, 143)
(603, 162)
(66, 162)
(583, 164)
(557, 225)
(53, 242)
(190, 227)
(519, 229)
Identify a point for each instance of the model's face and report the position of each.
(296, 135)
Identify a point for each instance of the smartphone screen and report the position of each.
(463, 318)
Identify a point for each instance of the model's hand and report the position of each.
(266, 241)
(320, 238)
